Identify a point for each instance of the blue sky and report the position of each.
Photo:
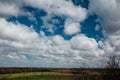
(64, 33)
(88, 25)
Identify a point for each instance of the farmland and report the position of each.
(54, 74)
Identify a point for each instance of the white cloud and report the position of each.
(71, 27)
(16, 39)
(17, 32)
(97, 27)
(54, 7)
(50, 50)
(81, 42)
(58, 40)
(111, 45)
(10, 8)
(68, 9)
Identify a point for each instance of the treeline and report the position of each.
(61, 70)
(20, 70)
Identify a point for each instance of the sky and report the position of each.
(59, 33)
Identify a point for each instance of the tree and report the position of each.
(113, 62)
(112, 71)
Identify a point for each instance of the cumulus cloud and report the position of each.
(109, 18)
(81, 42)
(111, 45)
(16, 32)
(71, 27)
(58, 40)
(52, 7)
(108, 12)
(10, 8)
(68, 9)
(97, 27)
(21, 45)
(19, 42)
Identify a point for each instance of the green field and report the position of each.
(41, 76)
(58, 74)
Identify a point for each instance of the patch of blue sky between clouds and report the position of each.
(34, 19)
(88, 28)
(82, 3)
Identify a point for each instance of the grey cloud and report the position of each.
(109, 12)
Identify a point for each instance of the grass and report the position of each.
(49, 76)
(59, 74)
(44, 76)
(36, 76)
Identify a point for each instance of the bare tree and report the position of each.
(112, 71)
(113, 62)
